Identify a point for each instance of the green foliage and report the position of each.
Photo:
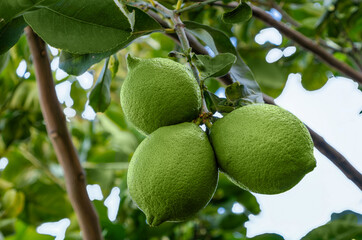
(25, 231)
(216, 104)
(77, 64)
(345, 225)
(10, 9)
(10, 33)
(215, 67)
(239, 14)
(220, 43)
(100, 96)
(4, 58)
(83, 26)
(267, 236)
(237, 95)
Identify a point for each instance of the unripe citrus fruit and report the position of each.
(263, 148)
(159, 92)
(172, 174)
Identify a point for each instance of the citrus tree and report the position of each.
(53, 147)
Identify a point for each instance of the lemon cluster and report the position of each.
(174, 172)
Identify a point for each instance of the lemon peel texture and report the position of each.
(159, 92)
(173, 173)
(263, 148)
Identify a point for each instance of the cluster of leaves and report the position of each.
(32, 185)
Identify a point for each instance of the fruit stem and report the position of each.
(208, 123)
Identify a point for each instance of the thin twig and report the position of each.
(284, 14)
(61, 140)
(293, 22)
(303, 41)
(195, 5)
(165, 11)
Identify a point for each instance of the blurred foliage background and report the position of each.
(32, 187)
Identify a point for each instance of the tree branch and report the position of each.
(61, 140)
(284, 14)
(306, 43)
(327, 150)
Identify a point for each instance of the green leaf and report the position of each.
(238, 95)
(216, 104)
(342, 226)
(81, 26)
(347, 215)
(10, 34)
(233, 221)
(212, 101)
(4, 59)
(249, 201)
(241, 13)
(14, 126)
(270, 76)
(215, 66)
(314, 75)
(77, 64)
(213, 84)
(267, 236)
(121, 140)
(219, 42)
(144, 24)
(7, 226)
(235, 92)
(100, 96)
(45, 202)
(10, 9)
(114, 65)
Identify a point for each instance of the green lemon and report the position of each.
(173, 173)
(159, 92)
(263, 148)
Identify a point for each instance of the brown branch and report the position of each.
(327, 150)
(61, 140)
(275, 5)
(284, 14)
(307, 44)
(303, 41)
